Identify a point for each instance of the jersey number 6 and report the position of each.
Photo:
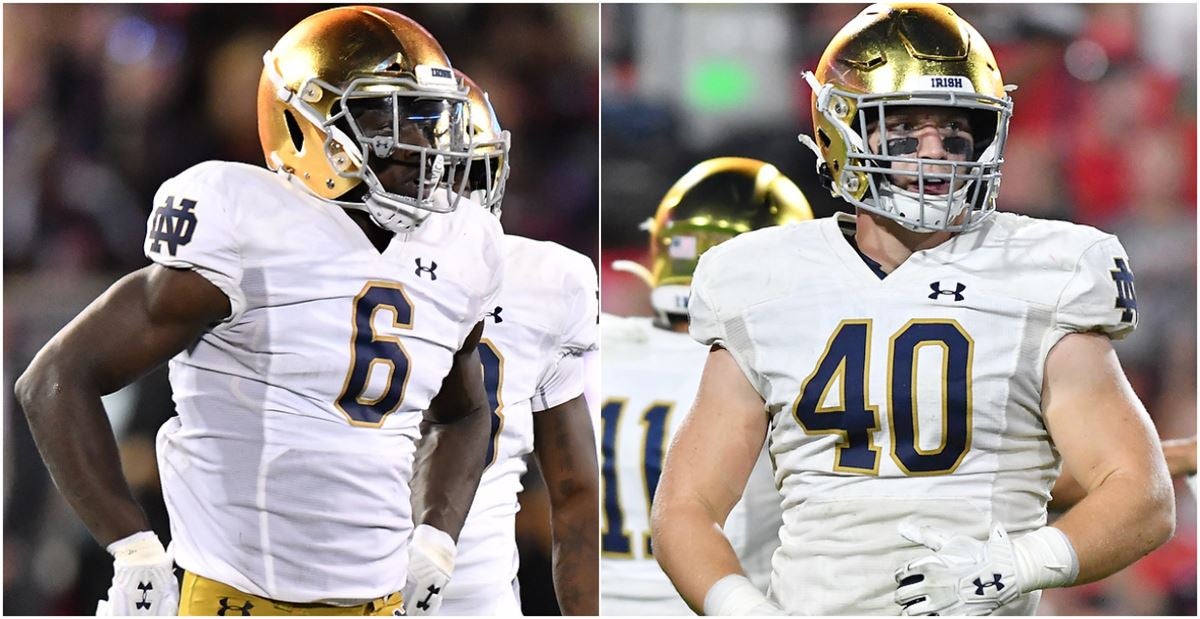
(369, 348)
(846, 363)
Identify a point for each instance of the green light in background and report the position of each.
(719, 85)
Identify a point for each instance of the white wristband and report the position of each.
(437, 546)
(1045, 559)
(735, 595)
(141, 548)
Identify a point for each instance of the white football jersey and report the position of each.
(918, 394)
(534, 338)
(286, 472)
(650, 377)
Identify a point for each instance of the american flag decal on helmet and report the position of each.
(682, 248)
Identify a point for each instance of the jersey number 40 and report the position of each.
(846, 364)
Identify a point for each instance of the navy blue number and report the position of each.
(369, 348)
(493, 377)
(851, 418)
(655, 421)
(846, 363)
(613, 538)
(957, 350)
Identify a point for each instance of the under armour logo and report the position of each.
(496, 314)
(244, 609)
(145, 588)
(174, 226)
(424, 604)
(936, 287)
(429, 269)
(980, 585)
(1126, 297)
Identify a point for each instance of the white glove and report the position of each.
(965, 576)
(430, 565)
(735, 595)
(143, 578)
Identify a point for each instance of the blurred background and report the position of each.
(102, 103)
(1103, 133)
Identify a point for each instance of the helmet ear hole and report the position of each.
(824, 137)
(294, 130)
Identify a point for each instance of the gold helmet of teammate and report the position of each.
(715, 201)
(489, 155)
(910, 54)
(363, 98)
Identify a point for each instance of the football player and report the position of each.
(923, 368)
(319, 318)
(650, 372)
(538, 330)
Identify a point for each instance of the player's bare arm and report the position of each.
(565, 446)
(706, 468)
(447, 468)
(1180, 454)
(1109, 445)
(141, 321)
(454, 435)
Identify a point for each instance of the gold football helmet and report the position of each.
(356, 82)
(909, 54)
(490, 146)
(715, 201)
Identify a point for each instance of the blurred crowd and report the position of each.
(104, 102)
(1103, 133)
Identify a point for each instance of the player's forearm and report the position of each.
(448, 465)
(692, 550)
(1118, 522)
(76, 442)
(574, 523)
(1181, 455)
(565, 447)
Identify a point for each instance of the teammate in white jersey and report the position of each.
(538, 330)
(651, 369)
(925, 367)
(319, 319)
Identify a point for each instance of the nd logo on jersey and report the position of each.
(173, 226)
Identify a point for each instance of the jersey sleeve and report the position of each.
(567, 378)
(713, 325)
(191, 227)
(493, 257)
(1100, 295)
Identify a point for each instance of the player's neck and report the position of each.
(889, 243)
(376, 235)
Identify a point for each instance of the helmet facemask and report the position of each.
(866, 179)
(488, 175)
(400, 123)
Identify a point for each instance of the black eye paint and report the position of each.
(957, 145)
(902, 146)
